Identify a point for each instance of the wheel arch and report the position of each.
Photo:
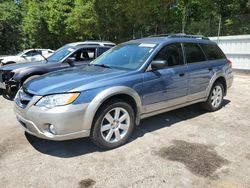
(25, 74)
(219, 77)
(120, 92)
(222, 80)
(28, 76)
(124, 97)
(9, 62)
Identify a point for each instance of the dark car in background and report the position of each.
(12, 77)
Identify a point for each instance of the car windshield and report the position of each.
(61, 53)
(20, 53)
(125, 56)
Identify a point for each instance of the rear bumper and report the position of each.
(68, 121)
(229, 80)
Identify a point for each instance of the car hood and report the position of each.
(4, 56)
(21, 65)
(73, 79)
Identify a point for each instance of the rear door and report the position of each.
(166, 87)
(199, 71)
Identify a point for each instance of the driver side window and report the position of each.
(172, 53)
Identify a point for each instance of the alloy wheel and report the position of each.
(217, 95)
(115, 125)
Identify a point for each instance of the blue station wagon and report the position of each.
(140, 78)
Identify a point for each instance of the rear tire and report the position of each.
(113, 124)
(215, 99)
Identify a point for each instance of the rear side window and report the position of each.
(172, 54)
(84, 54)
(33, 53)
(193, 53)
(212, 51)
(100, 51)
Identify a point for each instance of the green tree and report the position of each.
(82, 21)
(10, 19)
(34, 25)
(56, 14)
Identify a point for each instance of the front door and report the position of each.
(168, 86)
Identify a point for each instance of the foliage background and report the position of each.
(52, 23)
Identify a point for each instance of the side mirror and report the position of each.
(70, 61)
(24, 56)
(159, 64)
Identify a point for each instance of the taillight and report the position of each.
(229, 62)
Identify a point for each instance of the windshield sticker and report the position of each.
(147, 45)
(70, 49)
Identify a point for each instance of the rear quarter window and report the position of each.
(193, 53)
(212, 51)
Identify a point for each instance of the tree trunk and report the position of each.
(184, 17)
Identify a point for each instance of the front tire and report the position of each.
(113, 124)
(215, 99)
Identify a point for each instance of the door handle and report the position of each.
(182, 74)
(210, 68)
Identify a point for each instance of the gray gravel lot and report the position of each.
(183, 148)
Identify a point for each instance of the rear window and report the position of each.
(212, 51)
(193, 53)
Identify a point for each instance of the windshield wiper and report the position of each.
(101, 65)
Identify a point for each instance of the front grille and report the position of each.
(23, 98)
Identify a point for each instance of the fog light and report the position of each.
(52, 129)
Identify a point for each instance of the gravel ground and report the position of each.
(183, 148)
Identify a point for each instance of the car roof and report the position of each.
(37, 49)
(93, 42)
(82, 46)
(162, 39)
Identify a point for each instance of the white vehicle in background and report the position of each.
(94, 43)
(25, 56)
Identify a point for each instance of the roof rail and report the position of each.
(160, 35)
(181, 35)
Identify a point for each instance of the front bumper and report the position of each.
(9, 84)
(2, 85)
(68, 120)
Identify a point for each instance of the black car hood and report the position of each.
(21, 65)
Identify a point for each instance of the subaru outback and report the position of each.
(140, 78)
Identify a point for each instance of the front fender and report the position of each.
(106, 94)
(22, 74)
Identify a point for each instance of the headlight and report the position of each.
(51, 101)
